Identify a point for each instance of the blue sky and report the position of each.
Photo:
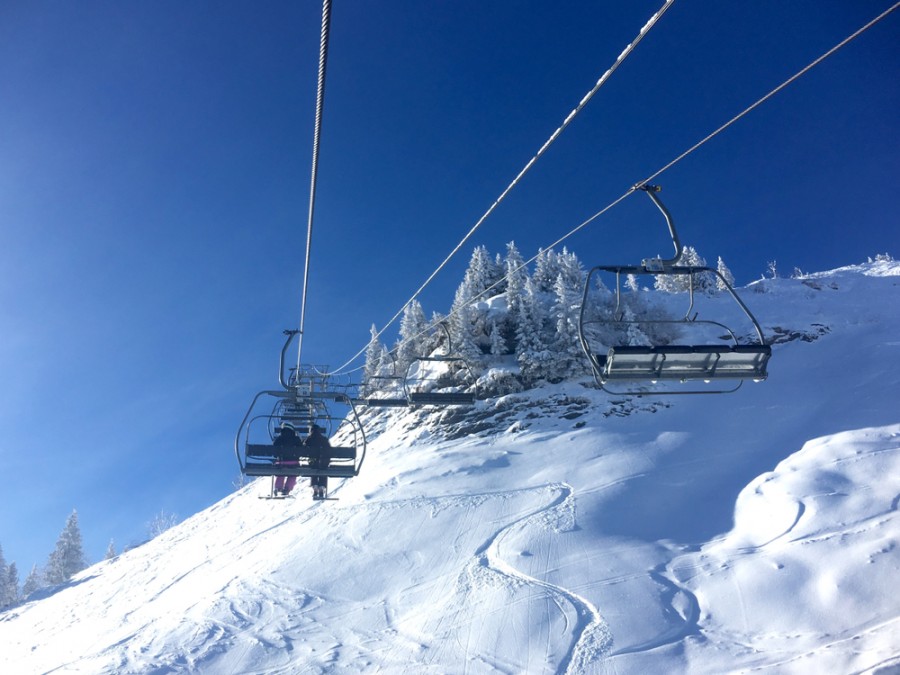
(154, 170)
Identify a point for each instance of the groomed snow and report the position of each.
(567, 532)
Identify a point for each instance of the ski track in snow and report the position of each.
(590, 636)
(239, 623)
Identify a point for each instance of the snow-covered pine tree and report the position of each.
(110, 551)
(482, 272)
(466, 327)
(632, 284)
(670, 283)
(722, 268)
(634, 336)
(68, 557)
(704, 282)
(413, 332)
(373, 358)
(4, 601)
(532, 346)
(572, 270)
(12, 585)
(681, 283)
(546, 269)
(567, 356)
(498, 342)
(33, 582)
(499, 273)
(516, 276)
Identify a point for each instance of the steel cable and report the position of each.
(317, 133)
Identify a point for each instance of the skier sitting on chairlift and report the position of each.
(317, 441)
(285, 439)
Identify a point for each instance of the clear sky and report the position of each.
(154, 172)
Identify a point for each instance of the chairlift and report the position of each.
(717, 360)
(303, 404)
(421, 384)
(386, 391)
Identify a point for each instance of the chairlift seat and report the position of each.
(685, 362)
(271, 454)
(386, 402)
(441, 398)
(297, 452)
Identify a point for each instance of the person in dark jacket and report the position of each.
(317, 446)
(287, 443)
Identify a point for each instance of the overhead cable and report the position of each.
(317, 133)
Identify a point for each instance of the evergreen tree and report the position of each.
(498, 342)
(387, 364)
(4, 600)
(568, 359)
(499, 281)
(12, 586)
(110, 551)
(631, 283)
(68, 557)
(373, 358)
(681, 283)
(571, 269)
(413, 332)
(33, 582)
(546, 269)
(532, 348)
(482, 273)
(704, 282)
(466, 326)
(722, 268)
(634, 336)
(516, 276)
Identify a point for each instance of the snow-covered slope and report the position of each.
(554, 531)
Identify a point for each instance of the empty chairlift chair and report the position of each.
(422, 387)
(713, 359)
(386, 391)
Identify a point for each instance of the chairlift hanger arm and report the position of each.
(659, 263)
(287, 343)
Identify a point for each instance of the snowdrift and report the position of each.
(552, 531)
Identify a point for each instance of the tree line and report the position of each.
(66, 560)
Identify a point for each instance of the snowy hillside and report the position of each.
(554, 531)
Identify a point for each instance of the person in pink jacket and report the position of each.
(288, 444)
